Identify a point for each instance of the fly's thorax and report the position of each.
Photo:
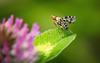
(58, 19)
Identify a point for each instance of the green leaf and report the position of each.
(52, 42)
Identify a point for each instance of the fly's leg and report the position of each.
(58, 30)
(62, 31)
(62, 27)
(56, 26)
(55, 23)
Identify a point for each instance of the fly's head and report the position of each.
(53, 17)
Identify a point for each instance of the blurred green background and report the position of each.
(86, 47)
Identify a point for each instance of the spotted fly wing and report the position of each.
(69, 19)
(64, 25)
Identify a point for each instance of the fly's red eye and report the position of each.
(53, 17)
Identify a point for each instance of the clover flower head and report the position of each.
(16, 42)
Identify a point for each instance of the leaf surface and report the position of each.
(52, 42)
